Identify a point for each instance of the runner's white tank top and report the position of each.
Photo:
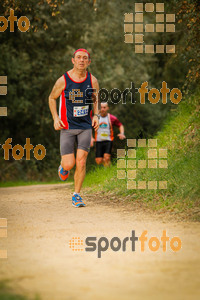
(103, 133)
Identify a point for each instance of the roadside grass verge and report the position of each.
(7, 293)
(24, 183)
(180, 136)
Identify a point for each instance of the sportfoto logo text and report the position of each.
(23, 22)
(116, 96)
(116, 244)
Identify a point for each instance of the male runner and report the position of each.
(104, 135)
(75, 89)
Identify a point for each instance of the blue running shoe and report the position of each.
(63, 174)
(77, 201)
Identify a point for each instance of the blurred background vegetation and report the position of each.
(34, 60)
(8, 293)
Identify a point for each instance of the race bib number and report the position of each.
(80, 111)
(104, 136)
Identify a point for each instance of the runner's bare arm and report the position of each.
(95, 98)
(121, 135)
(55, 93)
(92, 142)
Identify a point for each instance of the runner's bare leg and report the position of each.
(68, 161)
(79, 175)
(99, 160)
(106, 160)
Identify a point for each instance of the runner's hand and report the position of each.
(58, 124)
(121, 136)
(95, 123)
(92, 142)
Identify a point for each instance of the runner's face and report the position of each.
(104, 109)
(81, 60)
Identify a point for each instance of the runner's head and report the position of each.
(104, 109)
(81, 50)
(81, 59)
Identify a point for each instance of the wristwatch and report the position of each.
(97, 116)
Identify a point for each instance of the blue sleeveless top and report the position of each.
(76, 103)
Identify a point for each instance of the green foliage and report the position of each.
(7, 293)
(189, 51)
(100, 176)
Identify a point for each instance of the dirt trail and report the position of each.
(42, 221)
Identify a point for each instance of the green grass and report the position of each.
(180, 136)
(7, 293)
(24, 183)
(100, 176)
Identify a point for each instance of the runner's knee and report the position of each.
(68, 165)
(99, 160)
(106, 157)
(81, 162)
